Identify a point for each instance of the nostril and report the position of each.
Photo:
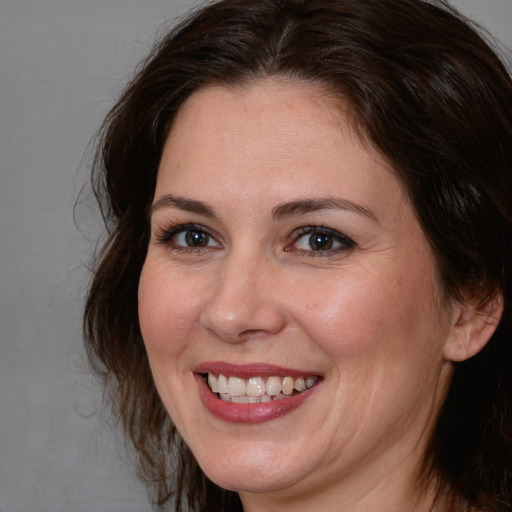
(238, 318)
(251, 333)
(211, 331)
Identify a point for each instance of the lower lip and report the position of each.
(248, 413)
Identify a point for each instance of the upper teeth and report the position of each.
(257, 386)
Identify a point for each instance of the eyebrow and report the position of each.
(304, 206)
(182, 203)
(298, 207)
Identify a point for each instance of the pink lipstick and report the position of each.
(253, 393)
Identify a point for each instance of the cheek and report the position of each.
(168, 311)
(167, 315)
(385, 313)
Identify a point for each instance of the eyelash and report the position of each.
(165, 237)
(345, 243)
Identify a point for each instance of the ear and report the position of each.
(472, 327)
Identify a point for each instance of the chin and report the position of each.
(257, 471)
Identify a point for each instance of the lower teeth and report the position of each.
(253, 399)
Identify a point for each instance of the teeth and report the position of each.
(236, 387)
(254, 387)
(256, 390)
(240, 399)
(212, 382)
(287, 386)
(310, 382)
(298, 384)
(273, 386)
(222, 384)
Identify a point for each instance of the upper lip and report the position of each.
(246, 371)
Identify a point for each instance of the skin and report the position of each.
(365, 316)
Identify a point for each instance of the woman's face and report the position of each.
(286, 267)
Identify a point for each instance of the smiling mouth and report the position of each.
(255, 390)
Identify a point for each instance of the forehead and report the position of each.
(270, 130)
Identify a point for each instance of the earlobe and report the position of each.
(472, 328)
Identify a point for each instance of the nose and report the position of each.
(244, 301)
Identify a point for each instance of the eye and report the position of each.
(320, 239)
(187, 236)
(192, 238)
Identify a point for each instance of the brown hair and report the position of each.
(423, 88)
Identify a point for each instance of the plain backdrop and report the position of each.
(62, 64)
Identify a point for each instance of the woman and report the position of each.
(305, 297)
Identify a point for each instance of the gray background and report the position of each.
(62, 63)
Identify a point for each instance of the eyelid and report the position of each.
(346, 242)
(164, 235)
